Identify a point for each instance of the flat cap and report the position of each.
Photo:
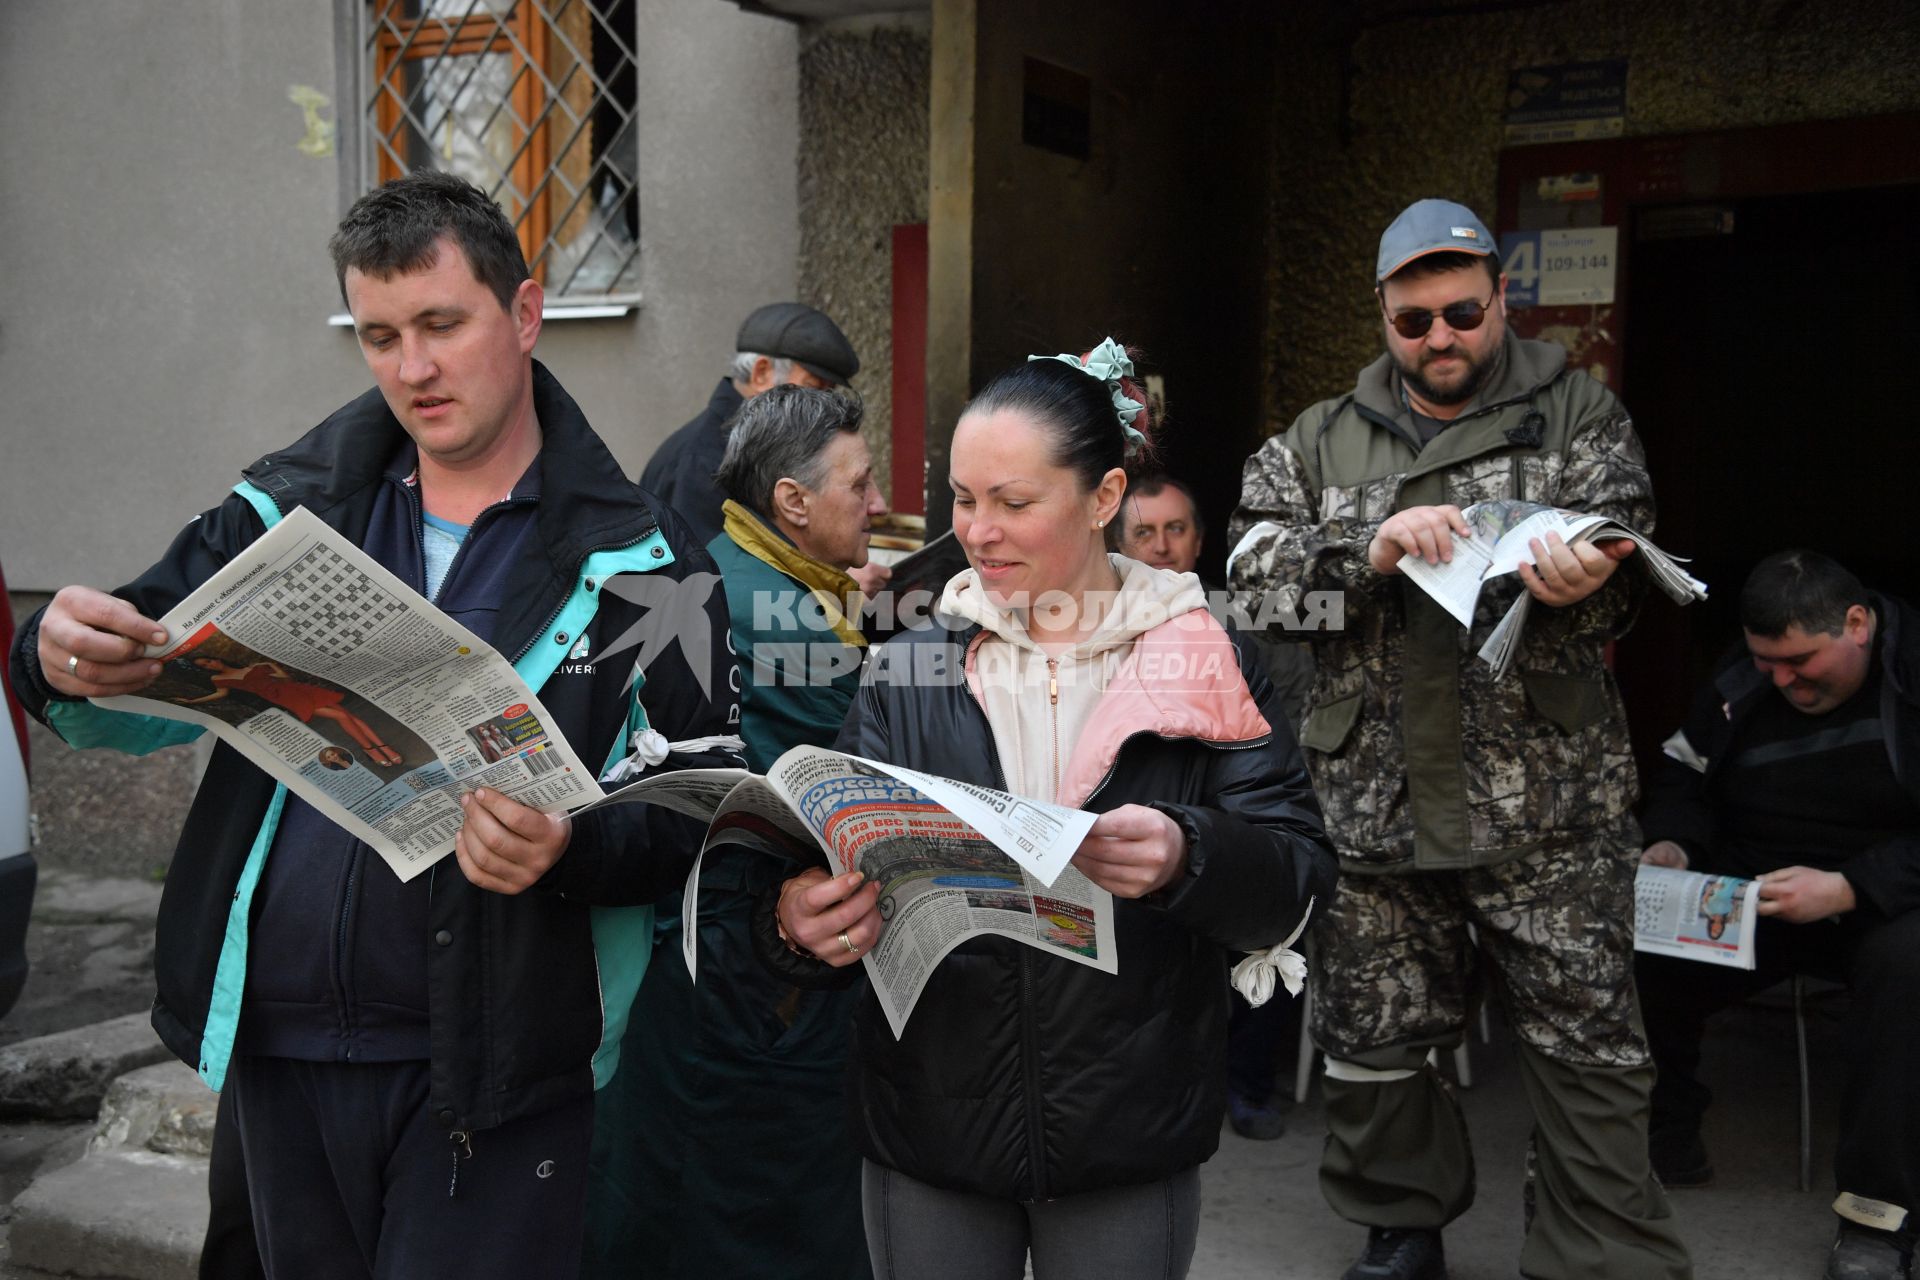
(798, 333)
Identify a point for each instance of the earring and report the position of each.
(1099, 524)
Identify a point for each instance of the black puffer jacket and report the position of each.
(1025, 1076)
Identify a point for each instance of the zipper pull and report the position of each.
(1053, 682)
(460, 1139)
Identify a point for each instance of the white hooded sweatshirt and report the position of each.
(1038, 701)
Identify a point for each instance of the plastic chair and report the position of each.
(1806, 1100)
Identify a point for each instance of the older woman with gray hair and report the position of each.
(721, 1146)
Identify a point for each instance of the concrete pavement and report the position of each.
(1264, 1218)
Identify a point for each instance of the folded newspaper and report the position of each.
(1695, 916)
(1498, 545)
(953, 861)
(366, 701)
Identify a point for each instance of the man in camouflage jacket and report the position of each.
(1459, 801)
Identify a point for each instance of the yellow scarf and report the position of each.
(830, 586)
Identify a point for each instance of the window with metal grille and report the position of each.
(533, 102)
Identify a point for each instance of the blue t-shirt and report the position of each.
(440, 540)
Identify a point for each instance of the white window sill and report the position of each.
(555, 309)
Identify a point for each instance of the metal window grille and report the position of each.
(533, 102)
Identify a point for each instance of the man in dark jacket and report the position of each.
(780, 343)
(412, 1065)
(1815, 792)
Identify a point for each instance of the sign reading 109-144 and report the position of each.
(1567, 267)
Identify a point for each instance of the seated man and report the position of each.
(721, 1147)
(1815, 792)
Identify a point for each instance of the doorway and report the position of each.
(1769, 367)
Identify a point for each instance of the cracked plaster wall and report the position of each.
(862, 170)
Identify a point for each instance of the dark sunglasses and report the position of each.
(1462, 317)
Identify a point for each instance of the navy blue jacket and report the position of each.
(527, 995)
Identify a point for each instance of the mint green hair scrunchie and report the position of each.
(1109, 363)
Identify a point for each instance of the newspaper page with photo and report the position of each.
(953, 860)
(343, 683)
(1499, 544)
(1695, 916)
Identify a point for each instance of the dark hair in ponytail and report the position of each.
(1072, 406)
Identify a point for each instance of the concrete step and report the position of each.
(66, 1075)
(120, 1212)
(163, 1108)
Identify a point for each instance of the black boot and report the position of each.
(1400, 1253)
(1861, 1253)
(1678, 1156)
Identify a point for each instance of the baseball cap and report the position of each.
(1431, 226)
(798, 333)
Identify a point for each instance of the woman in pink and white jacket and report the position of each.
(1034, 1105)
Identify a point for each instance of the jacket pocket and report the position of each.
(1569, 703)
(1327, 727)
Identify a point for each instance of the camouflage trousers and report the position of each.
(1395, 964)
(1397, 973)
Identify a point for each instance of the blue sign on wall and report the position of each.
(1571, 266)
(1567, 103)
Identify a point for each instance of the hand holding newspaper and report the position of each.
(953, 860)
(1695, 916)
(353, 691)
(1502, 530)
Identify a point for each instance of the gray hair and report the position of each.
(783, 433)
(741, 370)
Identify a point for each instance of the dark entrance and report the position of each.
(1763, 334)
(1772, 367)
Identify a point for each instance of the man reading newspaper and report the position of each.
(411, 1066)
(1813, 787)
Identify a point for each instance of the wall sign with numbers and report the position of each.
(1568, 267)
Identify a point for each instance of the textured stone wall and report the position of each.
(1373, 110)
(862, 170)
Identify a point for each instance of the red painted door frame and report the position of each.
(909, 470)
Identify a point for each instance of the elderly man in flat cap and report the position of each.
(781, 343)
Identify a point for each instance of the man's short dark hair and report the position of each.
(1157, 482)
(396, 229)
(1798, 588)
(1435, 264)
(783, 433)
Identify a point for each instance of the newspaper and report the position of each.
(1498, 545)
(1695, 916)
(347, 686)
(953, 860)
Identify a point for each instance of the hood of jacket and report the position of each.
(1157, 662)
(1522, 367)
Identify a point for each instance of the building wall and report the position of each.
(164, 291)
(862, 170)
(1372, 110)
(164, 281)
(1156, 237)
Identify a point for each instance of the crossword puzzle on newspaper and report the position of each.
(1650, 904)
(326, 605)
